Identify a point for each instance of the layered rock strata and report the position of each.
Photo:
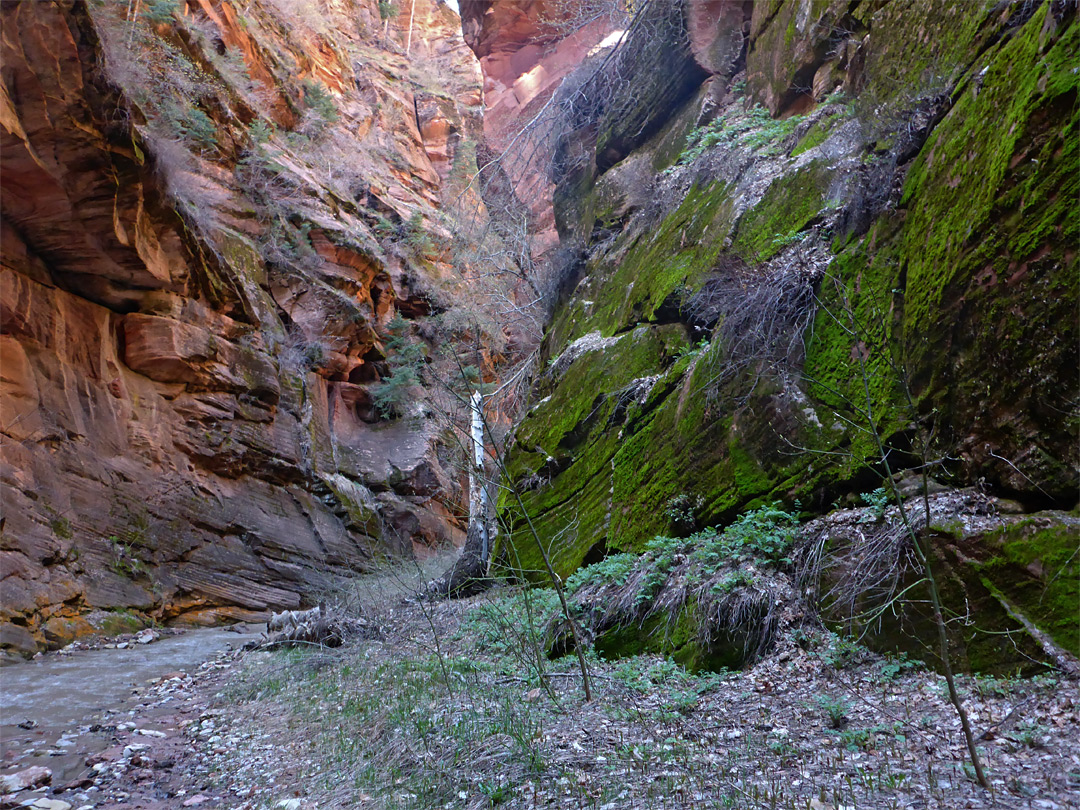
(211, 212)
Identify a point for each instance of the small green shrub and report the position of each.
(387, 10)
(895, 665)
(694, 348)
(406, 357)
(395, 392)
(417, 237)
(682, 510)
(867, 739)
(156, 12)
(319, 101)
(124, 563)
(678, 690)
(1031, 734)
(315, 355)
(260, 132)
(614, 569)
(835, 710)
(878, 502)
(192, 124)
(843, 651)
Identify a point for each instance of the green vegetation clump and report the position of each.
(319, 101)
(192, 124)
(766, 534)
(743, 124)
(612, 570)
(406, 357)
(706, 600)
(387, 10)
(156, 12)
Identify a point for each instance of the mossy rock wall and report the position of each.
(951, 313)
(655, 73)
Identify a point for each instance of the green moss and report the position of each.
(119, 622)
(989, 243)
(679, 637)
(1037, 569)
(660, 262)
(790, 202)
(851, 364)
(670, 142)
(815, 136)
(905, 61)
(562, 456)
(968, 157)
(61, 527)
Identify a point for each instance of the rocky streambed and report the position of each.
(83, 728)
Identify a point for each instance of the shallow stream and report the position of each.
(63, 696)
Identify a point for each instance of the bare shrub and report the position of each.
(757, 316)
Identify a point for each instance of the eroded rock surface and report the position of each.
(854, 229)
(201, 215)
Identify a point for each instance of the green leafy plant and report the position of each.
(895, 665)
(694, 348)
(766, 534)
(1031, 734)
(835, 710)
(842, 651)
(659, 557)
(61, 527)
(877, 501)
(746, 125)
(682, 510)
(614, 569)
(124, 563)
(732, 582)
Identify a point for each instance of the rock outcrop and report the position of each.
(211, 213)
(526, 50)
(821, 226)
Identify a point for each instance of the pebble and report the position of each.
(29, 778)
(50, 804)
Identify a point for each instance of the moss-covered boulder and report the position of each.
(1008, 584)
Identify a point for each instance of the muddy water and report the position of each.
(65, 696)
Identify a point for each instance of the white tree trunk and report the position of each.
(477, 491)
(469, 572)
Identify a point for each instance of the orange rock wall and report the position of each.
(186, 429)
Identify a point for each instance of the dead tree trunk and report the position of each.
(469, 573)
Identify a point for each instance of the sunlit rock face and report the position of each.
(201, 252)
(525, 50)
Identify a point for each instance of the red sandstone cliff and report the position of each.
(204, 220)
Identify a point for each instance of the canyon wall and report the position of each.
(822, 243)
(215, 216)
